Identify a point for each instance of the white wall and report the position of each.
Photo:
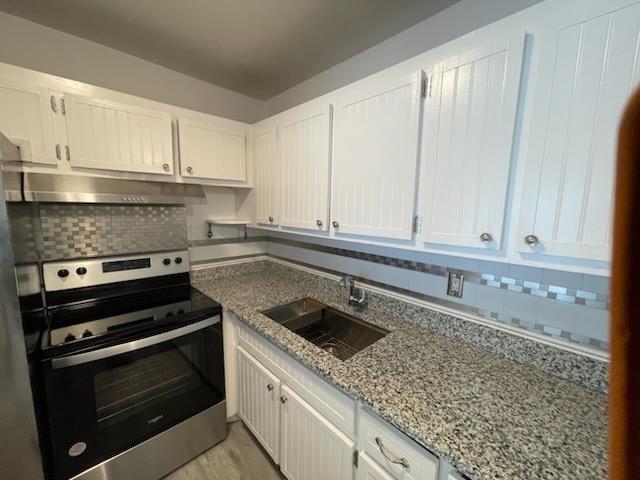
(446, 25)
(28, 44)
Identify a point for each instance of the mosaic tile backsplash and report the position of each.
(569, 307)
(81, 230)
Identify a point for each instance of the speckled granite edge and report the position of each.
(574, 367)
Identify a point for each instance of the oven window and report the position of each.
(128, 388)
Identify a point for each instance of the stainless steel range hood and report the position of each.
(45, 187)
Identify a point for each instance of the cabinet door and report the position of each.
(304, 135)
(212, 150)
(268, 174)
(107, 135)
(26, 118)
(589, 69)
(368, 469)
(311, 447)
(259, 391)
(469, 126)
(375, 145)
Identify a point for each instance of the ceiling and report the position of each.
(256, 47)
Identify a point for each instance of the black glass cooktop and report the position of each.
(80, 319)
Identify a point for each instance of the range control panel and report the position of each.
(100, 271)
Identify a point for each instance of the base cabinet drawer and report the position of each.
(400, 456)
(368, 469)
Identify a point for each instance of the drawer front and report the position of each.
(383, 443)
(334, 405)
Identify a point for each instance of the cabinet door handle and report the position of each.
(283, 399)
(67, 153)
(398, 461)
(485, 237)
(271, 219)
(58, 152)
(270, 387)
(189, 170)
(165, 166)
(54, 107)
(335, 224)
(531, 240)
(319, 223)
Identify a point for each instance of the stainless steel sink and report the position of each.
(338, 333)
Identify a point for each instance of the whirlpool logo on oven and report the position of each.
(155, 419)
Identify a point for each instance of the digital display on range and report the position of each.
(121, 265)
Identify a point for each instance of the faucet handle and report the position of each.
(346, 281)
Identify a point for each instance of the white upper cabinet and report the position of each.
(26, 118)
(268, 173)
(106, 135)
(469, 127)
(213, 150)
(304, 137)
(375, 145)
(588, 69)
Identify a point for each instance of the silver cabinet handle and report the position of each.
(58, 150)
(54, 107)
(319, 223)
(189, 170)
(485, 237)
(67, 153)
(270, 219)
(531, 240)
(270, 387)
(283, 399)
(165, 166)
(398, 461)
(335, 224)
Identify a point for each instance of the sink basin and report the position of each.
(338, 333)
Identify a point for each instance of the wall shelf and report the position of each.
(228, 221)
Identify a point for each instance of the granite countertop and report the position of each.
(490, 417)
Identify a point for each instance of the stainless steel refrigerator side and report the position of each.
(19, 448)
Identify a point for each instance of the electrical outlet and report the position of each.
(454, 286)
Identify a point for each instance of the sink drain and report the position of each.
(331, 347)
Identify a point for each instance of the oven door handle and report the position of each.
(80, 358)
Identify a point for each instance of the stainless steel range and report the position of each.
(132, 369)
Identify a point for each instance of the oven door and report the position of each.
(104, 401)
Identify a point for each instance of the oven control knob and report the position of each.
(166, 261)
(70, 337)
(81, 270)
(63, 272)
(87, 333)
(178, 260)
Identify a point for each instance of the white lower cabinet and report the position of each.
(311, 447)
(309, 427)
(259, 402)
(368, 469)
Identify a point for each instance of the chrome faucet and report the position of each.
(357, 296)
